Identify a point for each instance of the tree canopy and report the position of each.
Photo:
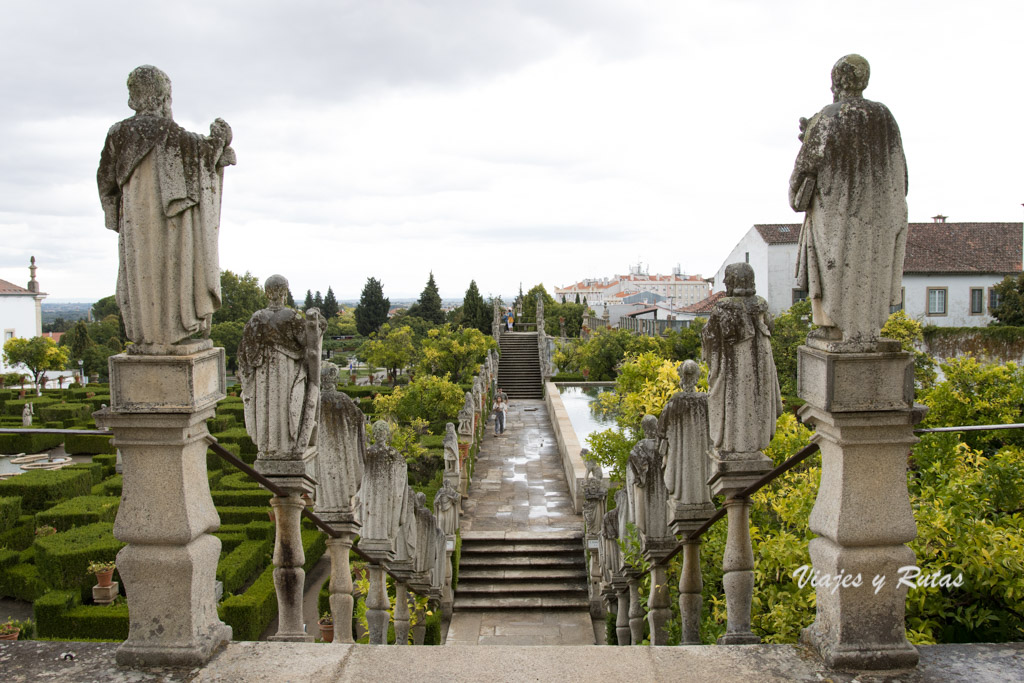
(240, 296)
(38, 354)
(428, 306)
(1010, 294)
(330, 306)
(372, 310)
(475, 312)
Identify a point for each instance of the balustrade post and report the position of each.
(419, 631)
(738, 576)
(690, 586)
(341, 598)
(658, 612)
(636, 611)
(401, 613)
(622, 631)
(377, 605)
(289, 576)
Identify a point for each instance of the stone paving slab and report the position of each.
(508, 627)
(29, 661)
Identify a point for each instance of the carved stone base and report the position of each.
(104, 595)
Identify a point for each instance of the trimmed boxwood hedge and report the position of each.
(65, 411)
(88, 444)
(239, 436)
(229, 540)
(111, 486)
(49, 610)
(216, 463)
(243, 515)
(94, 469)
(10, 511)
(243, 498)
(221, 423)
(22, 582)
(9, 557)
(237, 481)
(63, 558)
(42, 489)
(61, 615)
(15, 406)
(28, 443)
(80, 511)
(240, 564)
(235, 410)
(364, 391)
(21, 535)
(260, 530)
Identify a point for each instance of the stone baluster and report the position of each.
(446, 509)
(622, 620)
(738, 574)
(341, 598)
(636, 610)
(594, 492)
(419, 631)
(377, 606)
(658, 612)
(690, 586)
(401, 613)
(289, 576)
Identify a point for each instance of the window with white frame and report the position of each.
(937, 301)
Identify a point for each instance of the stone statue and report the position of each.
(446, 508)
(383, 494)
(425, 541)
(279, 369)
(610, 562)
(593, 466)
(744, 398)
(683, 425)
(405, 543)
(851, 178)
(26, 415)
(341, 450)
(645, 487)
(451, 449)
(467, 416)
(160, 187)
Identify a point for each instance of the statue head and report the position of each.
(650, 426)
(739, 280)
(149, 91)
(449, 431)
(276, 288)
(329, 374)
(421, 499)
(381, 433)
(689, 375)
(849, 77)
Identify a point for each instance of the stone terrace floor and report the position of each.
(518, 486)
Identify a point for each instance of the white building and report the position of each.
(21, 311)
(678, 288)
(948, 273)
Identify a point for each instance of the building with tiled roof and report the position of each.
(21, 310)
(948, 272)
(678, 288)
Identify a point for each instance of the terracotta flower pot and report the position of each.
(104, 579)
(327, 632)
(11, 636)
(463, 453)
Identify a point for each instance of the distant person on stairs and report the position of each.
(510, 321)
(500, 411)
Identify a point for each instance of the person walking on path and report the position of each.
(500, 411)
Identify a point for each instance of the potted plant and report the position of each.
(8, 631)
(326, 623)
(45, 530)
(104, 572)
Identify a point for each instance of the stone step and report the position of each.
(467, 587)
(521, 547)
(524, 574)
(521, 602)
(522, 535)
(500, 560)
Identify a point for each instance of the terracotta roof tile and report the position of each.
(779, 233)
(11, 288)
(703, 306)
(964, 248)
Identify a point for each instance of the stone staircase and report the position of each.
(522, 570)
(519, 365)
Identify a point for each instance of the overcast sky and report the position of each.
(502, 141)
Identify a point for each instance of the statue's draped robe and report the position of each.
(649, 497)
(160, 188)
(341, 451)
(383, 493)
(684, 425)
(744, 400)
(279, 401)
(850, 255)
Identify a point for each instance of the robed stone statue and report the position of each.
(850, 176)
(160, 187)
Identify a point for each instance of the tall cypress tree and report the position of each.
(318, 300)
(429, 305)
(330, 308)
(474, 311)
(577, 297)
(291, 300)
(308, 303)
(372, 310)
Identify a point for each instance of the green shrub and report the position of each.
(250, 613)
(64, 557)
(243, 498)
(215, 462)
(42, 489)
(260, 530)
(21, 535)
(242, 515)
(95, 470)
(112, 486)
(49, 611)
(65, 411)
(9, 557)
(239, 436)
(568, 377)
(229, 540)
(99, 401)
(234, 410)
(237, 481)
(238, 566)
(364, 391)
(28, 443)
(109, 462)
(88, 444)
(432, 636)
(10, 511)
(98, 622)
(221, 423)
(22, 582)
(80, 511)
(432, 441)
(15, 406)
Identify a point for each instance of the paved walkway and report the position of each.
(518, 485)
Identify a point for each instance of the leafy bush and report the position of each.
(80, 511)
(42, 489)
(431, 398)
(237, 481)
(108, 461)
(10, 511)
(90, 444)
(21, 535)
(238, 566)
(28, 443)
(95, 470)
(243, 515)
(22, 582)
(65, 411)
(239, 436)
(241, 498)
(63, 558)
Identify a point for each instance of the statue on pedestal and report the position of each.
(340, 450)
(383, 494)
(467, 416)
(744, 398)
(683, 425)
(279, 369)
(850, 176)
(446, 508)
(645, 488)
(160, 187)
(451, 450)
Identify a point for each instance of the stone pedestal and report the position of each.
(636, 612)
(341, 586)
(104, 595)
(658, 612)
(401, 613)
(289, 576)
(377, 605)
(622, 631)
(447, 595)
(419, 631)
(861, 405)
(158, 411)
